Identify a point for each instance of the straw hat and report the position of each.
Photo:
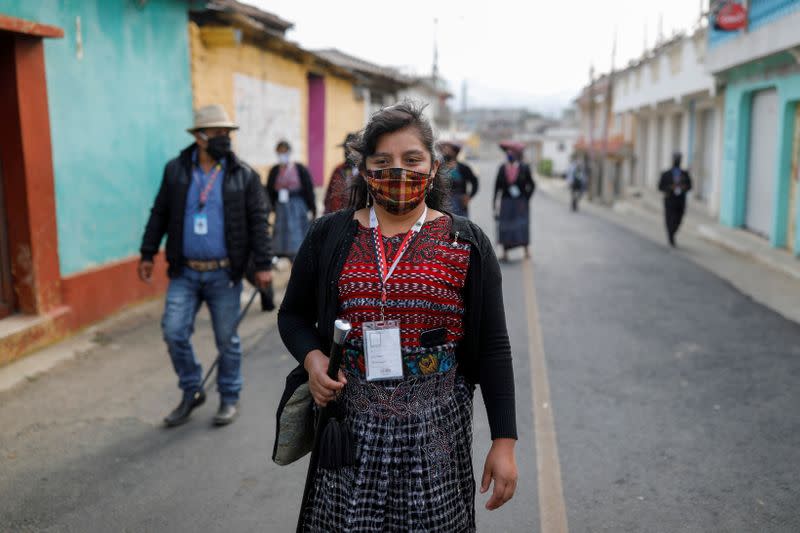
(211, 116)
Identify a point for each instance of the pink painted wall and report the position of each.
(316, 128)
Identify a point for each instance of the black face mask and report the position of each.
(448, 158)
(219, 147)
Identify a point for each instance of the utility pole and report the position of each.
(435, 73)
(464, 96)
(609, 113)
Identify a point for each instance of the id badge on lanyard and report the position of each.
(200, 224)
(383, 354)
(201, 219)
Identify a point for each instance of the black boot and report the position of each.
(180, 415)
(227, 413)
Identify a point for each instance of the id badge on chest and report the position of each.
(201, 224)
(382, 352)
(283, 196)
(514, 191)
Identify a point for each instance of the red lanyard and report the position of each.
(384, 270)
(210, 185)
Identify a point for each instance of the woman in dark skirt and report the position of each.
(514, 186)
(423, 291)
(291, 192)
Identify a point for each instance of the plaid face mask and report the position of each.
(397, 190)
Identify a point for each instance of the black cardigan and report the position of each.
(311, 303)
(306, 183)
(524, 182)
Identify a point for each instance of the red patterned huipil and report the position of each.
(425, 294)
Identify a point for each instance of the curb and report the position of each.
(711, 235)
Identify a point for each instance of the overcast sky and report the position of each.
(511, 53)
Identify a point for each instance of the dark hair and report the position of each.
(389, 120)
(283, 144)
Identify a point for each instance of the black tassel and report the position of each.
(337, 447)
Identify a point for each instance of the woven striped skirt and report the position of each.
(414, 468)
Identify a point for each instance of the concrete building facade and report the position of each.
(667, 102)
(759, 68)
(95, 98)
(273, 88)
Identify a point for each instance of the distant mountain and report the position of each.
(482, 96)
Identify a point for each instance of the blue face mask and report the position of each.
(511, 158)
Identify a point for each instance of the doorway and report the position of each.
(761, 171)
(6, 280)
(316, 128)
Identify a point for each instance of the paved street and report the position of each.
(674, 397)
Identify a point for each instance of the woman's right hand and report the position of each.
(323, 389)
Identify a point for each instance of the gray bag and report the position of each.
(294, 432)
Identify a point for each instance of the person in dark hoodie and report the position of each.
(675, 183)
(213, 209)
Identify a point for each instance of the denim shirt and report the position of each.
(212, 244)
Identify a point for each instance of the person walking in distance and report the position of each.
(212, 207)
(336, 196)
(291, 192)
(675, 184)
(463, 182)
(576, 180)
(515, 187)
(423, 292)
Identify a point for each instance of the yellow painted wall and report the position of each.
(216, 57)
(343, 114)
(213, 68)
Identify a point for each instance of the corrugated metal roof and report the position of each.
(337, 57)
(266, 18)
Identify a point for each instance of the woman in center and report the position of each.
(423, 292)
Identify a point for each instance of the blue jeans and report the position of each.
(184, 296)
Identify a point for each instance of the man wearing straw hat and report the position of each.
(213, 209)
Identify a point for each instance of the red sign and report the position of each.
(732, 16)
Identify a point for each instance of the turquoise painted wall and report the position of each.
(738, 101)
(116, 116)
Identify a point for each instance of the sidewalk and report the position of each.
(104, 335)
(735, 240)
(768, 275)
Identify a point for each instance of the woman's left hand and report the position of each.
(501, 466)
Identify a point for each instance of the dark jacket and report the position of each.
(306, 184)
(666, 185)
(246, 227)
(469, 184)
(310, 307)
(524, 182)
